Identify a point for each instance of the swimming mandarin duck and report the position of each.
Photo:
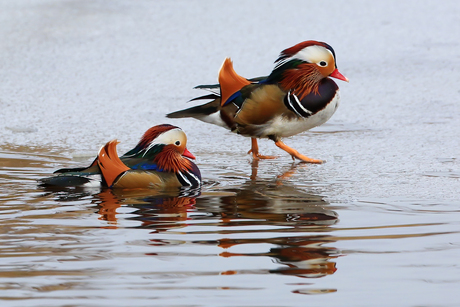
(297, 96)
(160, 161)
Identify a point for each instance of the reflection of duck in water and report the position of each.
(298, 219)
(154, 210)
(303, 256)
(293, 223)
(271, 202)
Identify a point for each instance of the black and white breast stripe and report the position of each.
(292, 102)
(188, 179)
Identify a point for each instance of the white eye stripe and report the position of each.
(313, 54)
(168, 137)
(330, 53)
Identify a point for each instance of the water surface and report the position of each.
(264, 241)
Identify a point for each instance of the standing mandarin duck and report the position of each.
(158, 161)
(297, 96)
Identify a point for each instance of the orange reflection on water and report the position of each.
(292, 221)
(153, 209)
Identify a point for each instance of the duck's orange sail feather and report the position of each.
(109, 162)
(230, 82)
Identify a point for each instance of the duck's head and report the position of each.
(158, 139)
(163, 138)
(303, 66)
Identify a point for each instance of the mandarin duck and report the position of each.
(297, 96)
(160, 161)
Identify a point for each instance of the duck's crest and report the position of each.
(153, 133)
(291, 51)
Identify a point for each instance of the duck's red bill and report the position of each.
(336, 74)
(188, 154)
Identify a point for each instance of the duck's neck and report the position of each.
(301, 81)
(170, 160)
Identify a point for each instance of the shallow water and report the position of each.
(246, 240)
(376, 225)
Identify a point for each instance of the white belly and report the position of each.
(284, 128)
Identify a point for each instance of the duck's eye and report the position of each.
(177, 143)
(322, 63)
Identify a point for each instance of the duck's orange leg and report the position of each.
(255, 151)
(295, 154)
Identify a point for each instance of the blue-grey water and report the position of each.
(377, 225)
